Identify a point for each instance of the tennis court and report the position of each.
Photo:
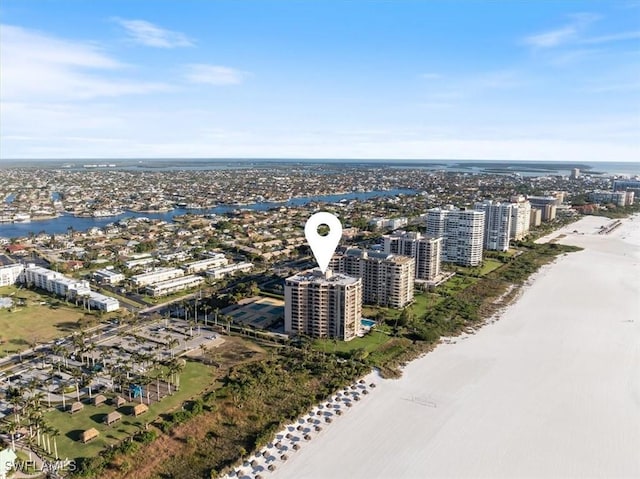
(260, 313)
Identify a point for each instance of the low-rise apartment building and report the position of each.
(205, 264)
(68, 288)
(222, 271)
(10, 273)
(155, 276)
(170, 286)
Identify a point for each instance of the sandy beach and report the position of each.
(552, 389)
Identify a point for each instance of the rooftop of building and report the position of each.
(328, 277)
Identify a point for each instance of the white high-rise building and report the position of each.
(520, 217)
(387, 279)
(497, 224)
(321, 305)
(462, 232)
(426, 251)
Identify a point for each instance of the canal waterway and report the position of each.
(63, 223)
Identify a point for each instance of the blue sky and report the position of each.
(537, 80)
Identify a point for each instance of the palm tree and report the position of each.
(56, 350)
(55, 432)
(206, 308)
(76, 375)
(12, 429)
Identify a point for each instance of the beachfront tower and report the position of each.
(321, 305)
(520, 217)
(426, 251)
(387, 279)
(462, 232)
(497, 224)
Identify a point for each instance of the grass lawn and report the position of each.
(369, 342)
(457, 283)
(194, 379)
(489, 265)
(22, 462)
(22, 325)
(424, 301)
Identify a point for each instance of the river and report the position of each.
(64, 222)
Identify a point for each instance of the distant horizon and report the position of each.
(294, 158)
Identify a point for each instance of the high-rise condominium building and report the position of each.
(426, 251)
(520, 217)
(462, 232)
(387, 279)
(321, 305)
(497, 224)
(546, 204)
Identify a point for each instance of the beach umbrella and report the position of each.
(307, 437)
(299, 428)
(278, 444)
(284, 457)
(348, 404)
(265, 454)
(272, 467)
(328, 419)
(361, 381)
(296, 447)
(339, 412)
(254, 463)
(288, 436)
(318, 428)
(258, 476)
(372, 385)
(365, 392)
(310, 420)
(356, 398)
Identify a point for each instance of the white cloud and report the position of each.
(146, 33)
(40, 67)
(561, 35)
(615, 37)
(551, 38)
(213, 74)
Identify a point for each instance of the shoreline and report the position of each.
(322, 457)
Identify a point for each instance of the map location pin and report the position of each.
(323, 247)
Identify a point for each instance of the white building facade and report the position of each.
(69, 288)
(155, 276)
(462, 232)
(497, 224)
(9, 274)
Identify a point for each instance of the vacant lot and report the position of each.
(22, 325)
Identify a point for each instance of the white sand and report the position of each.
(550, 390)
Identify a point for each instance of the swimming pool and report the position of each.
(368, 323)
